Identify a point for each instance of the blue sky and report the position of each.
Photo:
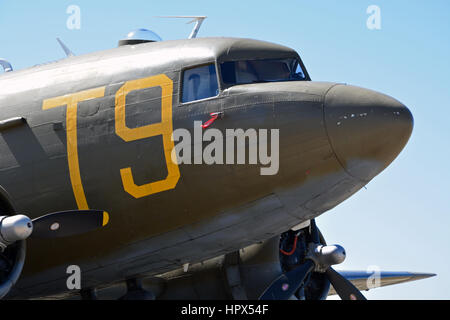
(402, 220)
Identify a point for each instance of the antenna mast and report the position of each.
(65, 48)
(197, 19)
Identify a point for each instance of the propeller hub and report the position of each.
(14, 228)
(325, 256)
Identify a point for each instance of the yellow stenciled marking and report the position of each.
(72, 100)
(105, 218)
(163, 128)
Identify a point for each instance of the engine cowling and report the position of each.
(13, 232)
(12, 248)
(267, 261)
(12, 260)
(16, 228)
(243, 274)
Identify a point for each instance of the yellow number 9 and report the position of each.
(164, 128)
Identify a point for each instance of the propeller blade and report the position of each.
(68, 223)
(287, 284)
(344, 288)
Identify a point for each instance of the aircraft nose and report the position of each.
(367, 129)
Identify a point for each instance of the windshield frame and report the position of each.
(224, 85)
(181, 82)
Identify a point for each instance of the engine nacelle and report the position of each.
(244, 274)
(240, 275)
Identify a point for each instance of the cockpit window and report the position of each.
(200, 83)
(268, 70)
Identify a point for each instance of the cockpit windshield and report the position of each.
(267, 70)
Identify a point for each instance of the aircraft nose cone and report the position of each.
(367, 129)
